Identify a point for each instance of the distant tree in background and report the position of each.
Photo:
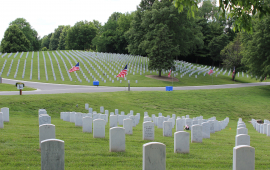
(54, 40)
(45, 41)
(14, 40)
(30, 33)
(80, 36)
(62, 39)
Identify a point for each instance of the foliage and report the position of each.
(80, 36)
(232, 54)
(45, 41)
(62, 38)
(54, 40)
(30, 33)
(44, 49)
(14, 40)
(256, 49)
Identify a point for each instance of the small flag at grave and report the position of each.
(75, 68)
(233, 72)
(169, 75)
(211, 71)
(123, 72)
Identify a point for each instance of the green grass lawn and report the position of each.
(19, 140)
(113, 63)
(9, 87)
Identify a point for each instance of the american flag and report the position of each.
(75, 68)
(233, 72)
(169, 75)
(123, 72)
(211, 71)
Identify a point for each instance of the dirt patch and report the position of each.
(163, 78)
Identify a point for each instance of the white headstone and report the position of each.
(42, 111)
(148, 131)
(117, 139)
(72, 117)
(46, 131)
(160, 122)
(188, 122)
(1, 120)
(5, 112)
(268, 130)
(86, 106)
(44, 119)
(181, 142)
(101, 109)
(87, 124)
(127, 124)
(206, 130)
(167, 128)
(78, 119)
(113, 121)
(196, 134)
(180, 123)
(52, 154)
(99, 128)
(133, 120)
(243, 158)
(242, 130)
(212, 126)
(242, 139)
(154, 156)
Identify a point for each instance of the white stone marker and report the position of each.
(117, 139)
(133, 118)
(5, 112)
(167, 128)
(268, 130)
(120, 119)
(42, 111)
(265, 128)
(212, 126)
(148, 131)
(196, 134)
(181, 142)
(127, 124)
(242, 130)
(242, 140)
(46, 131)
(116, 111)
(180, 123)
(154, 156)
(206, 130)
(90, 110)
(147, 119)
(86, 106)
(87, 124)
(160, 122)
(99, 128)
(44, 119)
(52, 154)
(78, 119)
(1, 120)
(113, 121)
(188, 122)
(72, 117)
(243, 158)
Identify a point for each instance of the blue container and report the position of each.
(95, 83)
(169, 88)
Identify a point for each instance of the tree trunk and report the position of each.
(159, 73)
(233, 77)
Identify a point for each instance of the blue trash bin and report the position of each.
(95, 83)
(169, 88)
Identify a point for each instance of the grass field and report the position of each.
(102, 62)
(9, 87)
(19, 141)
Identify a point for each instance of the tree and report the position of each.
(14, 40)
(62, 39)
(239, 9)
(45, 41)
(145, 34)
(54, 40)
(30, 33)
(80, 36)
(216, 45)
(232, 54)
(256, 54)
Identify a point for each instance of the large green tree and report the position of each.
(80, 36)
(45, 41)
(256, 54)
(14, 40)
(162, 33)
(62, 39)
(54, 40)
(30, 33)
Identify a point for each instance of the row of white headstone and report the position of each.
(4, 116)
(52, 149)
(243, 153)
(262, 128)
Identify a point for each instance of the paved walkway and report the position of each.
(49, 88)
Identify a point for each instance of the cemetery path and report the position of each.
(49, 88)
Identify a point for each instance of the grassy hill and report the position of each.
(114, 63)
(19, 148)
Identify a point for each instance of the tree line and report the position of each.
(157, 30)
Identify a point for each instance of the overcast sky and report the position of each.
(45, 16)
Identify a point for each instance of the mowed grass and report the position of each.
(143, 81)
(9, 87)
(19, 141)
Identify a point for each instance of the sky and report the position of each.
(45, 16)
